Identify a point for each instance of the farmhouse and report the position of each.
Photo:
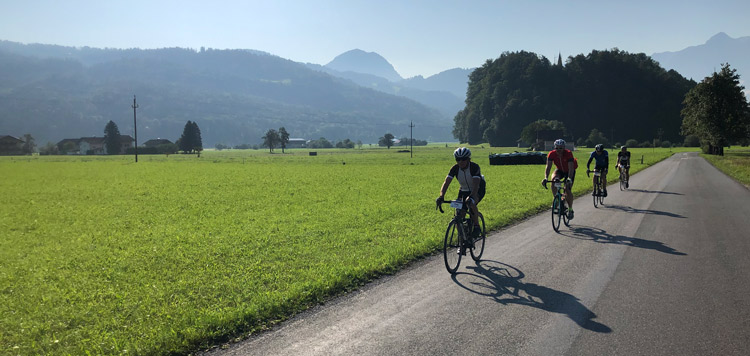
(545, 140)
(10, 145)
(296, 143)
(92, 145)
(156, 142)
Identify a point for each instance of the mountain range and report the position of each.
(700, 61)
(235, 96)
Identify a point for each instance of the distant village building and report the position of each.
(92, 145)
(157, 142)
(10, 145)
(296, 143)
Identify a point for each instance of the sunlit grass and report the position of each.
(735, 163)
(102, 255)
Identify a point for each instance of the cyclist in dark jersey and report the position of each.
(602, 165)
(565, 167)
(472, 184)
(623, 162)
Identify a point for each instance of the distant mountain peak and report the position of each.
(359, 61)
(719, 37)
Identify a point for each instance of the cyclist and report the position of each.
(472, 184)
(565, 167)
(602, 165)
(623, 162)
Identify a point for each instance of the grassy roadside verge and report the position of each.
(735, 163)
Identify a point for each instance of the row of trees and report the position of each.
(189, 142)
(274, 138)
(629, 94)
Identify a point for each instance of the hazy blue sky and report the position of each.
(418, 37)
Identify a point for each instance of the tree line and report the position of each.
(625, 95)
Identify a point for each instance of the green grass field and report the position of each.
(735, 163)
(101, 255)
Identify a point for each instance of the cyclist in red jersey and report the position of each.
(565, 167)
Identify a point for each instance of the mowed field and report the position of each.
(101, 255)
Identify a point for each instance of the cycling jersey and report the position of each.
(602, 160)
(465, 175)
(624, 156)
(561, 161)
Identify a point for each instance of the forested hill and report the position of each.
(235, 96)
(621, 94)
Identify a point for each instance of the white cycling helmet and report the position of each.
(559, 143)
(461, 153)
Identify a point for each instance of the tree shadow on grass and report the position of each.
(504, 284)
(601, 236)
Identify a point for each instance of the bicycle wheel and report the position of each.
(597, 194)
(476, 252)
(564, 214)
(557, 212)
(452, 246)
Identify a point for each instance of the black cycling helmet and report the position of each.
(599, 147)
(462, 153)
(624, 147)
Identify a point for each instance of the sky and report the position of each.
(418, 37)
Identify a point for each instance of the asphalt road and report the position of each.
(661, 269)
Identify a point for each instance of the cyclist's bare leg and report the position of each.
(569, 194)
(474, 214)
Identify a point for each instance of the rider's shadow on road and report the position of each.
(654, 191)
(601, 236)
(630, 209)
(503, 283)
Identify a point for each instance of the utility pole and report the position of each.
(411, 135)
(135, 129)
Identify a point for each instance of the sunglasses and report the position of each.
(559, 148)
(462, 159)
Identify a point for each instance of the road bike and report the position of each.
(458, 235)
(559, 209)
(598, 188)
(623, 181)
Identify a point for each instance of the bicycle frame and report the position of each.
(559, 213)
(454, 248)
(598, 187)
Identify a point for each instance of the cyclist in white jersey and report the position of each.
(471, 180)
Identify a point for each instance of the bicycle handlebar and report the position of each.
(544, 183)
(440, 204)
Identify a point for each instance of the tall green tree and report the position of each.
(112, 138)
(191, 140)
(386, 140)
(271, 139)
(186, 140)
(28, 144)
(197, 139)
(716, 110)
(283, 138)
